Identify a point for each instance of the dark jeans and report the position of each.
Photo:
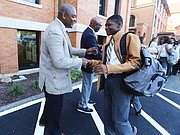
(163, 62)
(51, 114)
(176, 67)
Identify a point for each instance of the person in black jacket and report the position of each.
(88, 40)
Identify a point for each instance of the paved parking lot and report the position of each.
(160, 114)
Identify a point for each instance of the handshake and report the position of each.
(98, 67)
(86, 62)
(90, 51)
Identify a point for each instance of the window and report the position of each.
(157, 3)
(160, 7)
(101, 40)
(102, 6)
(139, 33)
(32, 1)
(158, 24)
(28, 49)
(155, 21)
(134, 3)
(132, 21)
(116, 11)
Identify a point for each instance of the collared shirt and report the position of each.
(114, 59)
(62, 24)
(92, 30)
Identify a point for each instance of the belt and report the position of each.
(115, 75)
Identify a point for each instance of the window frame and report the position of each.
(102, 12)
(116, 9)
(22, 67)
(132, 21)
(23, 2)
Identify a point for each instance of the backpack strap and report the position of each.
(123, 47)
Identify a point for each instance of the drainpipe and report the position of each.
(153, 21)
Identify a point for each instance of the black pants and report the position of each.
(176, 67)
(51, 114)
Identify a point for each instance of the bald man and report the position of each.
(88, 40)
(55, 64)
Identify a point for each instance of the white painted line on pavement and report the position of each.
(154, 123)
(171, 90)
(168, 100)
(20, 107)
(39, 130)
(97, 120)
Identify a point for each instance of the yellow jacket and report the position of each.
(133, 58)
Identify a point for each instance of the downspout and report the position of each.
(152, 22)
(127, 9)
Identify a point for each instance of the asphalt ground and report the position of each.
(160, 114)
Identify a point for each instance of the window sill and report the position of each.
(26, 3)
(102, 17)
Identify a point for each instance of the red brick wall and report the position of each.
(19, 11)
(9, 54)
(86, 10)
(75, 39)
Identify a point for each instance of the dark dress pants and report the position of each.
(116, 107)
(176, 67)
(51, 114)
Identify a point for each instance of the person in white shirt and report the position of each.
(152, 48)
(163, 51)
(176, 67)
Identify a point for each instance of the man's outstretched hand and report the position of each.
(85, 62)
(100, 69)
(92, 51)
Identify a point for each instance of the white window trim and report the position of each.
(27, 3)
(102, 17)
(13, 23)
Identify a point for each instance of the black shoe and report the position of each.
(91, 102)
(41, 125)
(138, 112)
(85, 110)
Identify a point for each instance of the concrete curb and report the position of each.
(26, 100)
(20, 102)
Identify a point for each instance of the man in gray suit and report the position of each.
(55, 64)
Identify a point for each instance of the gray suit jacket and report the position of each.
(56, 61)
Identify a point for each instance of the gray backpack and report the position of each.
(149, 79)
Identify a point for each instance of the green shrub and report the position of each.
(36, 84)
(76, 75)
(16, 90)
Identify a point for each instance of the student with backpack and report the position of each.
(111, 68)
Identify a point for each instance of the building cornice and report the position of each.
(13, 23)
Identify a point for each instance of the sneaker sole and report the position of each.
(92, 104)
(84, 111)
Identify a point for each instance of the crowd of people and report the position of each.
(167, 52)
(56, 61)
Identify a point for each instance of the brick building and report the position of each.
(148, 17)
(22, 23)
